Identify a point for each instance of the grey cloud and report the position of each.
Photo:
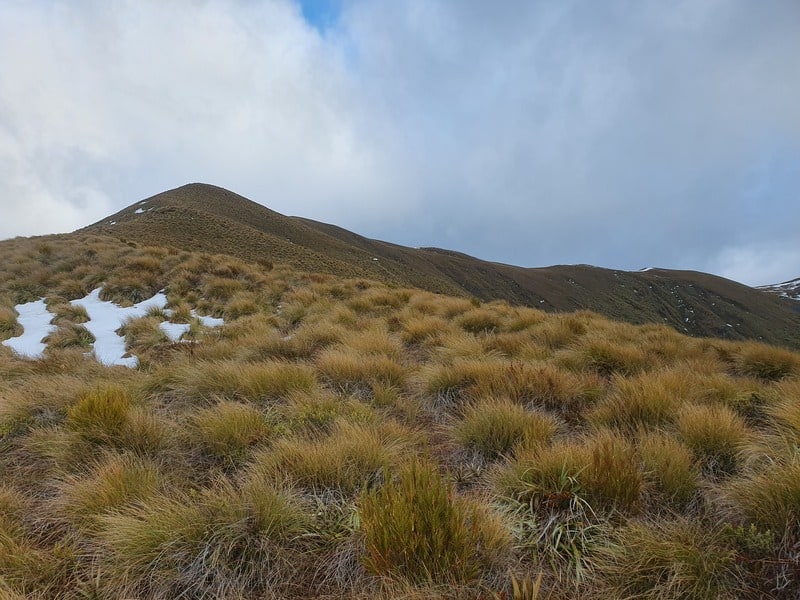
(625, 134)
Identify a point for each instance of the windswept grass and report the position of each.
(715, 434)
(416, 528)
(669, 559)
(496, 427)
(258, 382)
(280, 455)
(347, 459)
(227, 430)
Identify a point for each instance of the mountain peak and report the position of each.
(208, 218)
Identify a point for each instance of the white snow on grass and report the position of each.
(104, 320)
(174, 331)
(138, 211)
(209, 321)
(35, 320)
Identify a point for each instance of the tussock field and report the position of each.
(347, 439)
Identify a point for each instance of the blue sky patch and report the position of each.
(321, 14)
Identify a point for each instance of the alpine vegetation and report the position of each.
(331, 436)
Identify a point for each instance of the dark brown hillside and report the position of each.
(210, 219)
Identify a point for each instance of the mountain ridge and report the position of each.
(202, 217)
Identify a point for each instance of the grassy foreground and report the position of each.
(346, 439)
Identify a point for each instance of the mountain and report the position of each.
(788, 289)
(206, 218)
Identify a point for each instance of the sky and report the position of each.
(623, 133)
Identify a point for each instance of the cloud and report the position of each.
(620, 134)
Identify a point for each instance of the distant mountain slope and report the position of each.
(788, 289)
(210, 219)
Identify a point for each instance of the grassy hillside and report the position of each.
(344, 438)
(205, 218)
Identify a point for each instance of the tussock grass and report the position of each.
(111, 483)
(786, 411)
(275, 457)
(71, 336)
(144, 334)
(540, 385)
(9, 327)
(676, 558)
(240, 305)
(419, 329)
(495, 427)
(227, 430)
(351, 456)
(766, 362)
(480, 320)
(355, 372)
(258, 382)
(100, 415)
(769, 494)
(415, 528)
(608, 357)
(715, 434)
(648, 400)
(602, 470)
(223, 543)
(669, 468)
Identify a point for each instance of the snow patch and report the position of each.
(35, 321)
(174, 331)
(105, 318)
(208, 321)
(138, 211)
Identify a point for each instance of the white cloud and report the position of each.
(758, 264)
(612, 133)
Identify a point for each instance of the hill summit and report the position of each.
(206, 218)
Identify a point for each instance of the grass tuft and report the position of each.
(715, 434)
(495, 427)
(100, 415)
(227, 430)
(415, 528)
(675, 558)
